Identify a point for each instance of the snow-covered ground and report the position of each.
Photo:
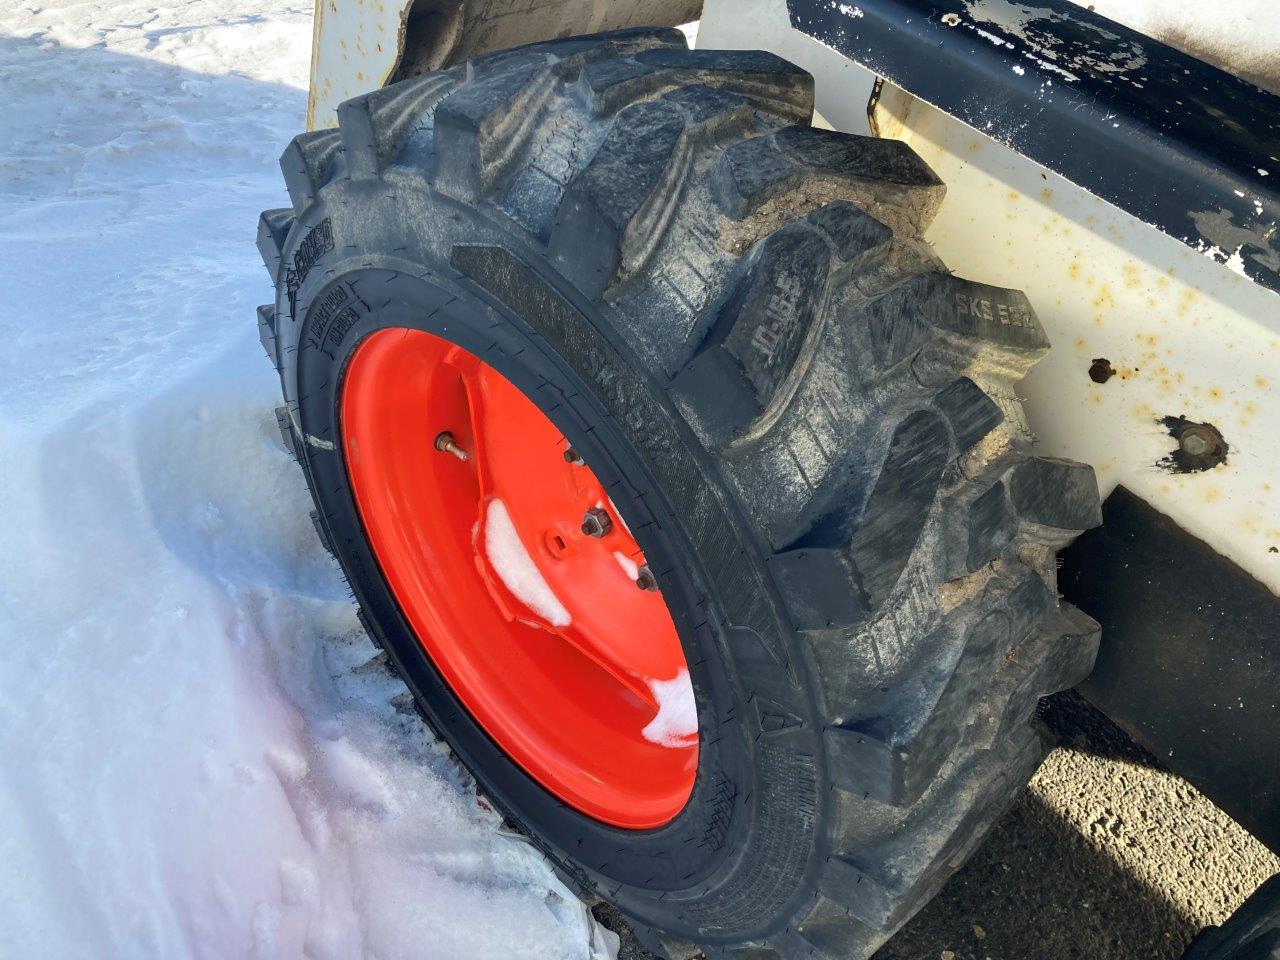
(198, 756)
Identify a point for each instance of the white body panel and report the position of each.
(355, 46)
(1187, 336)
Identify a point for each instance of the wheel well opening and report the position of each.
(432, 30)
(440, 33)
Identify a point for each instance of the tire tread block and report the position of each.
(617, 209)
(288, 437)
(1054, 493)
(884, 177)
(971, 413)
(816, 583)
(891, 522)
(981, 321)
(771, 83)
(894, 747)
(774, 306)
(374, 126)
(273, 230)
(768, 82)
(481, 126)
(267, 333)
(991, 526)
(306, 163)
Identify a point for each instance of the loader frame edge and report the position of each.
(1179, 144)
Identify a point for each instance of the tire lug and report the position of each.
(597, 522)
(645, 579)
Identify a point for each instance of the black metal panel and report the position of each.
(1179, 144)
(1190, 659)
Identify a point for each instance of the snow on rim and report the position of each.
(203, 755)
(629, 566)
(676, 723)
(515, 567)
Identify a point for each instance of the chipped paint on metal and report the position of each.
(1171, 140)
(355, 48)
(1181, 333)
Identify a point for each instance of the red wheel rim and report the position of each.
(475, 513)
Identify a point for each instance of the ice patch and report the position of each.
(676, 724)
(516, 569)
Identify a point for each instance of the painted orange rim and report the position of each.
(519, 578)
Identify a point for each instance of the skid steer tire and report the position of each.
(810, 425)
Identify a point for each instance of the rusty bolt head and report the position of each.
(1195, 444)
(572, 456)
(597, 522)
(1197, 440)
(645, 579)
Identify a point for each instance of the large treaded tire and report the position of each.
(811, 424)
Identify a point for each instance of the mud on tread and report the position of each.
(852, 401)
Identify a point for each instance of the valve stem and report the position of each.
(446, 444)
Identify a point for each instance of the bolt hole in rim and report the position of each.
(519, 578)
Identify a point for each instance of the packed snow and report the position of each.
(202, 755)
(676, 722)
(514, 566)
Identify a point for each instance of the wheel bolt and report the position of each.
(1195, 443)
(645, 579)
(572, 456)
(596, 523)
(446, 444)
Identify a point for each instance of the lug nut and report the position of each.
(596, 523)
(571, 456)
(645, 579)
(446, 444)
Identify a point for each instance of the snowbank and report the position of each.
(202, 755)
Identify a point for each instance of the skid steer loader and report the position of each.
(727, 535)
